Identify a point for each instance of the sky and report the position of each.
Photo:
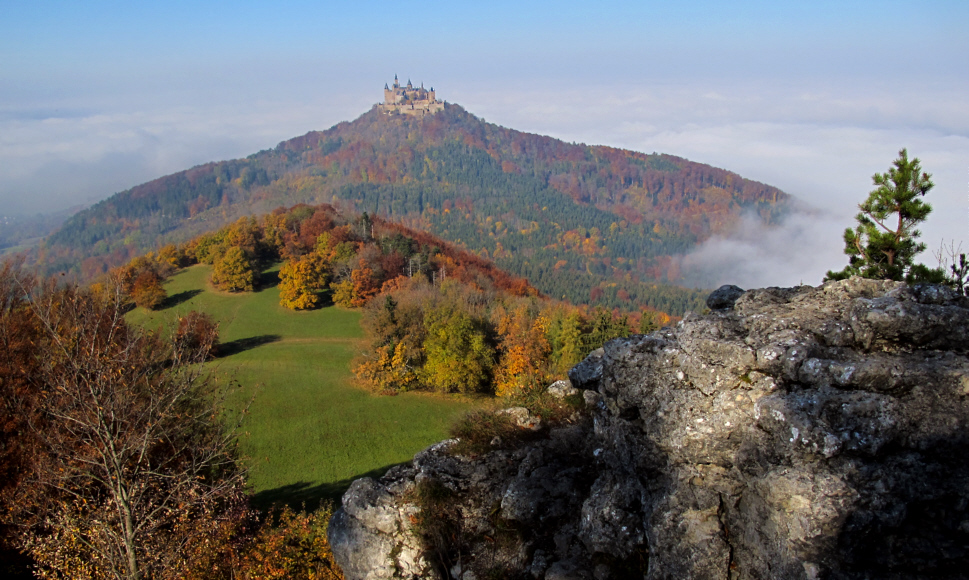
(811, 97)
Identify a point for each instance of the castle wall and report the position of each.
(409, 101)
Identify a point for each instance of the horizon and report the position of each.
(813, 99)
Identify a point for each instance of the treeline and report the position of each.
(526, 201)
(118, 452)
(454, 337)
(327, 255)
(437, 318)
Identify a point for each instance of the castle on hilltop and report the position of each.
(409, 100)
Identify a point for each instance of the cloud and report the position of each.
(804, 246)
(820, 146)
(818, 142)
(52, 160)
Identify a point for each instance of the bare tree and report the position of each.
(135, 463)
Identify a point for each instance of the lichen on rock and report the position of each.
(791, 433)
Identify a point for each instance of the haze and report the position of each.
(814, 99)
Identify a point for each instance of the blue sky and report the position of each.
(813, 97)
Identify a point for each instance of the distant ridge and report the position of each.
(589, 223)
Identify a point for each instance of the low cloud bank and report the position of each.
(799, 250)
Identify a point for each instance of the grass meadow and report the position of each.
(310, 431)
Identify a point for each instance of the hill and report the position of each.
(591, 224)
(309, 430)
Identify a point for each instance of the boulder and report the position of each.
(798, 433)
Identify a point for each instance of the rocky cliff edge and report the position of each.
(790, 433)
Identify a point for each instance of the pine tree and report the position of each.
(884, 243)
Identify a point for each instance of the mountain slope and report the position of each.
(589, 223)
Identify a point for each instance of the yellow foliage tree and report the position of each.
(301, 280)
(343, 293)
(233, 272)
(459, 358)
(390, 369)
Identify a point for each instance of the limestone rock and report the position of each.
(562, 389)
(724, 297)
(793, 433)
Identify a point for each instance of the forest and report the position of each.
(119, 448)
(436, 318)
(554, 212)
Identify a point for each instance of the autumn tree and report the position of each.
(301, 280)
(459, 357)
(20, 343)
(524, 350)
(132, 468)
(365, 284)
(234, 272)
(197, 331)
(147, 291)
(390, 369)
(885, 242)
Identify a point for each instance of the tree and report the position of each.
(197, 331)
(884, 243)
(233, 272)
(147, 291)
(132, 469)
(301, 280)
(524, 348)
(459, 358)
(20, 345)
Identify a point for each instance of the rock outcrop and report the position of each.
(791, 433)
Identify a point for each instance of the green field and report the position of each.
(310, 432)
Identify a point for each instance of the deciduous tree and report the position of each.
(458, 356)
(133, 466)
(147, 290)
(233, 272)
(524, 350)
(301, 280)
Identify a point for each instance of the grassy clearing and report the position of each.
(310, 432)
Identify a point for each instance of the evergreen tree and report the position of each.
(884, 243)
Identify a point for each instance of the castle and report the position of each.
(409, 101)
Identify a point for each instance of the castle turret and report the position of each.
(409, 100)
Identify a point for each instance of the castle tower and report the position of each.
(409, 100)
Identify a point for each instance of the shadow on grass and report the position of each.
(176, 299)
(267, 280)
(298, 495)
(243, 344)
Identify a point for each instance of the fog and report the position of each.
(813, 99)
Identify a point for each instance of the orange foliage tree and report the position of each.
(524, 348)
(147, 291)
(132, 467)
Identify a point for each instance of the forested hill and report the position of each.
(588, 223)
